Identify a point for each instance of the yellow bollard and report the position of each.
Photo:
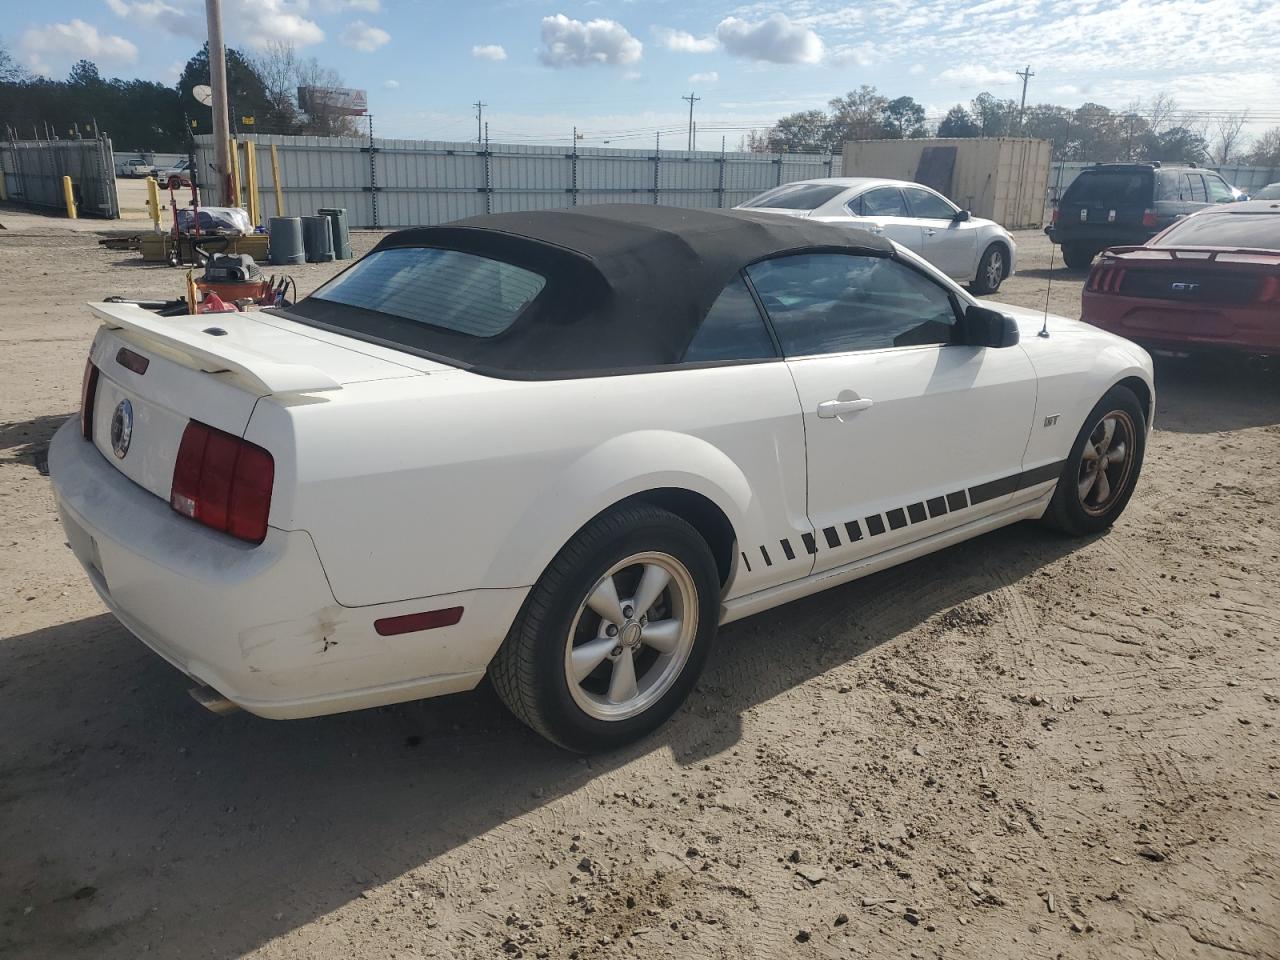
(235, 173)
(251, 182)
(69, 196)
(153, 202)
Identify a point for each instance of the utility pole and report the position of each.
(692, 100)
(1022, 109)
(218, 84)
(479, 118)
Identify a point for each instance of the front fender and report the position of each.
(616, 469)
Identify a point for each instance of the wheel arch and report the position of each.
(692, 479)
(1003, 244)
(1142, 390)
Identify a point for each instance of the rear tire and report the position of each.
(992, 269)
(1077, 256)
(1103, 467)
(615, 633)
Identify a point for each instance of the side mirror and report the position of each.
(984, 327)
(961, 216)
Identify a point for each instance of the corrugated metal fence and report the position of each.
(401, 183)
(33, 172)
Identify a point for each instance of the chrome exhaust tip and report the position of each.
(212, 700)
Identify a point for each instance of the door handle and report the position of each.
(838, 408)
(930, 232)
(872, 228)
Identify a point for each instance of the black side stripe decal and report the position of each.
(899, 517)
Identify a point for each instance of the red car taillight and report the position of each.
(223, 482)
(88, 391)
(1269, 290)
(1105, 279)
(1148, 218)
(1057, 215)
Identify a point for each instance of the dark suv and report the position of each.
(1115, 204)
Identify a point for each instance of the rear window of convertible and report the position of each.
(455, 291)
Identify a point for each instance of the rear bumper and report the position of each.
(259, 624)
(1163, 323)
(1100, 236)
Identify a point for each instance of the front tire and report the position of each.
(613, 636)
(992, 269)
(1102, 470)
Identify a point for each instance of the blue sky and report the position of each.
(617, 70)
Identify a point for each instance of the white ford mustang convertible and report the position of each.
(562, 448)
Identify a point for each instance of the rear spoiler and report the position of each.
(215, 352)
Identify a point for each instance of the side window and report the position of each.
(835, 303)
(1219, 192)
(926, 205)
(883, 202)
(855, 206)
(732, 329)
(1195, 188)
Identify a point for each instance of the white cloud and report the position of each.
(262, 22)
(854, 54)
(58, 44)
(363, 36)
(489, 51)
(976, 75)
(775, 39)
(161, 15)
(709, 77)
(682, 41)
(347, 6)
(390, 84)
(917, 69)
(572, 43)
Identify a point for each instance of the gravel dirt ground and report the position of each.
(1023, 746)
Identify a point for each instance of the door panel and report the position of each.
(939, 444)
(951, 246)
(885, 211)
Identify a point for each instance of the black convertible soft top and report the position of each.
(627, 284)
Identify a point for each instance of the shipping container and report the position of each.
(1000, 178)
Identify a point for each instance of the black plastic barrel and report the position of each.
(341, 235)
(317, 239)
(285, 243)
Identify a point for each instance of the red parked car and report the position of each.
(1211, 279)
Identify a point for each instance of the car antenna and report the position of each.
(1044, 326)
(1057, 198)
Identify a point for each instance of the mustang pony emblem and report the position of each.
(122, 428)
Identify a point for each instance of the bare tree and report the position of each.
(1229, 137)
(283, 72)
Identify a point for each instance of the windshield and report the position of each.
(1225, 229)
(455, 291)
(797, 196)
(1269, 192)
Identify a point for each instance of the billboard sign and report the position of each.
(333, 100)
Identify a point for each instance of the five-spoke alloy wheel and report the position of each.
(1103, 466)
(614, 634)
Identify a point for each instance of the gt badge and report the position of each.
(1050, 421)
(122, 428)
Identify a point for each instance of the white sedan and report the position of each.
(562, 448)
(964, 247)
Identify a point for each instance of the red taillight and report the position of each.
(88, 392)
(1148, 218)
(1269, 290)
(1057, 215)
(1105, 279)
(223, 482)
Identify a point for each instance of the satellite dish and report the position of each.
(203, 93)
